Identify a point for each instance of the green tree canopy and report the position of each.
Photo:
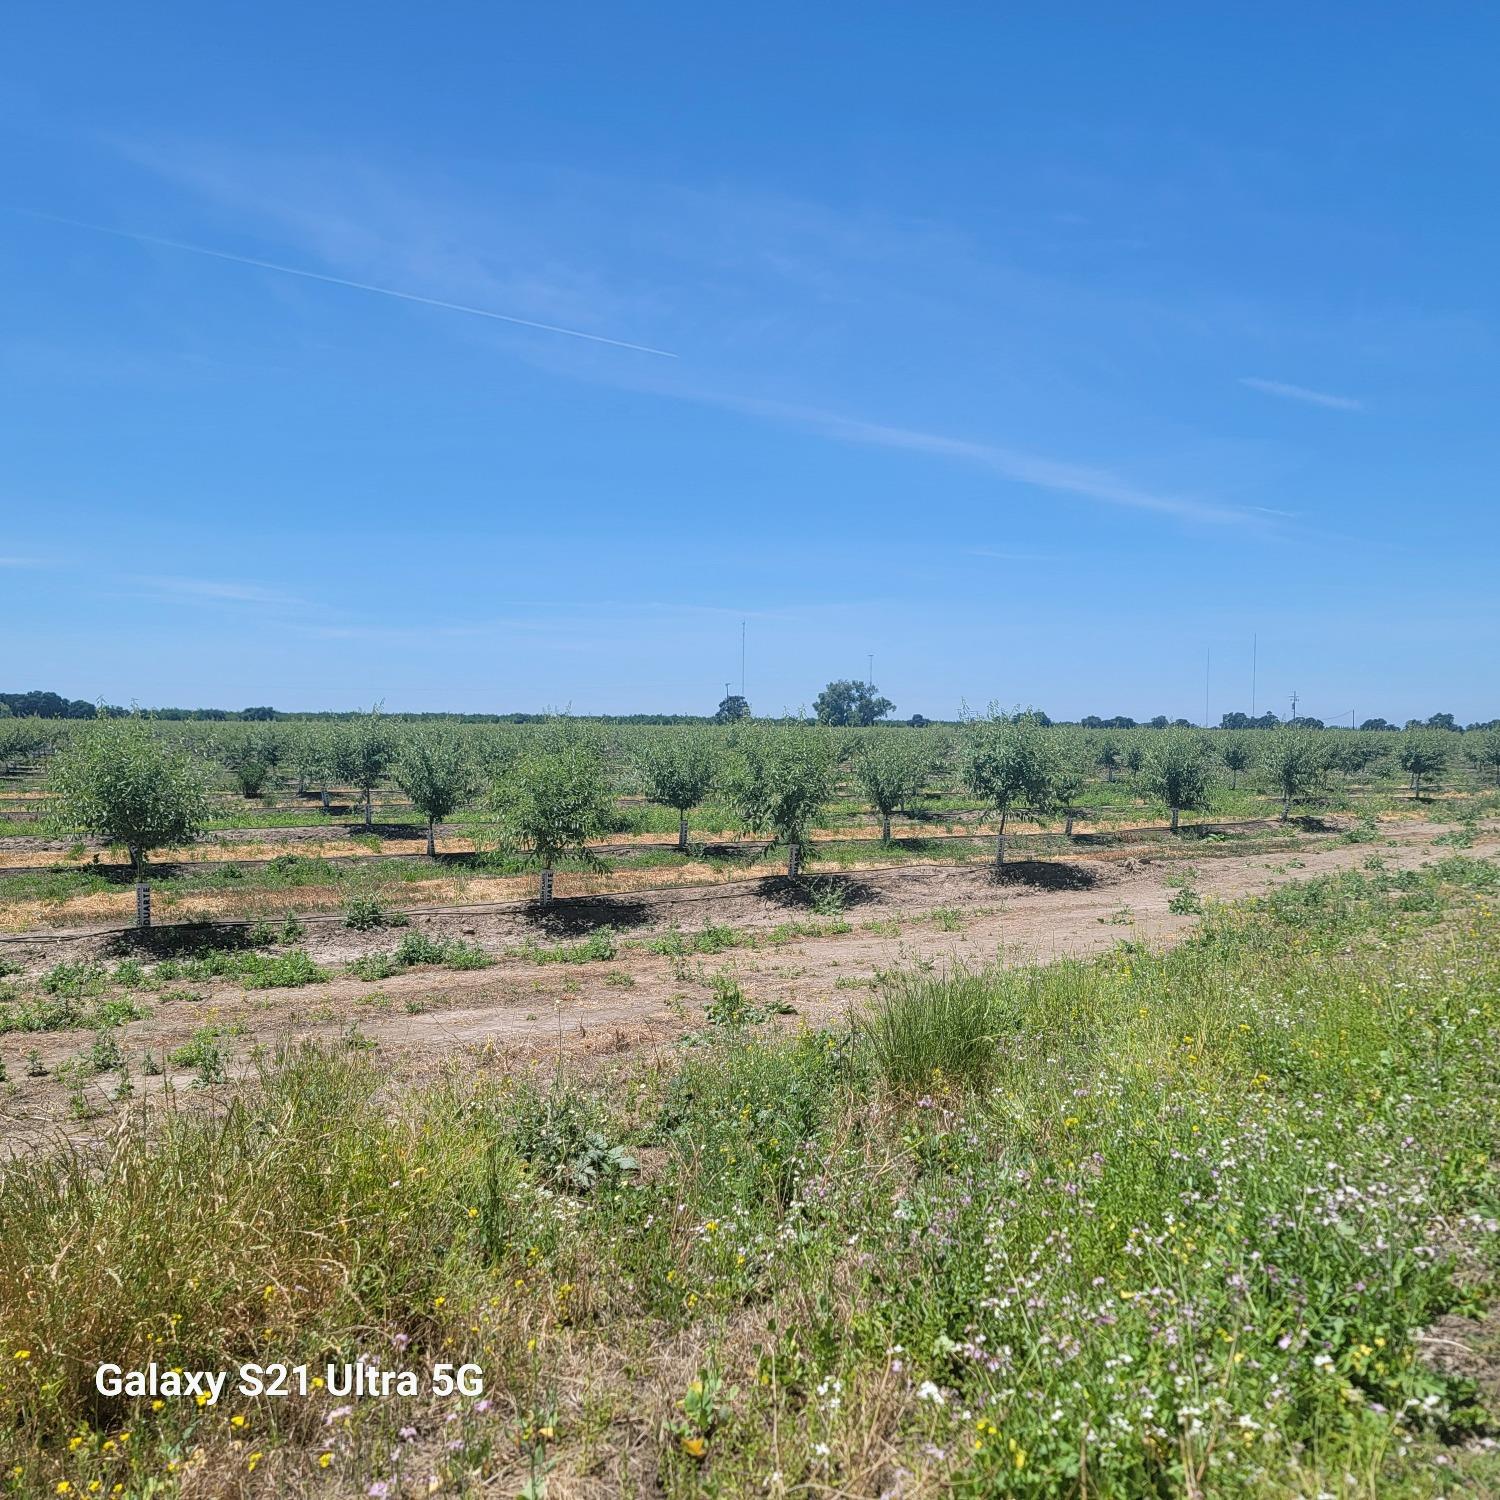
(677, 769)
(556, 798)
(434, 768)
(363, 750)
(779, 778)
(1010, 761)
(851, 703)
(1293, 762)
(1176, 769)
(121, 783)
(890, 768)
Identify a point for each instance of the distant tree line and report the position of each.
(842, 704)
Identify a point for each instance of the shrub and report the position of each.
(561, 1134)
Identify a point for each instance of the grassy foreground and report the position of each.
(1144, 1225)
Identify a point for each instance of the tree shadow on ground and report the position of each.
(577, 916)
(1045, 875)
(809, 892)
(1312, 823)
(181, 940)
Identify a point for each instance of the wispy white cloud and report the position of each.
(216, 589)
(1301, 393)
(999, 554)
(1057, 475)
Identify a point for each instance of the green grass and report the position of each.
(1180, 1216)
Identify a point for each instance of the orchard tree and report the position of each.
(250, 756)
(435, 770)
(309, 751)
(779, 779)
(1108, 758)
(556, 798)
(121, 783)
(1423, 754)
(842, 704)
(891, 768)
(1069, 777)
(1483, 748)
(1010, 763)
(1237, 756)
(1176, 770)
(362, 753)
(1293, 762)
(677, 769)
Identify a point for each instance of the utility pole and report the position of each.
(1294, 703)
(870, 669)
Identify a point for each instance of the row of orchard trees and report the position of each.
(146, 786)
(361, 750)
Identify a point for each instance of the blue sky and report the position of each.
(1037, 356)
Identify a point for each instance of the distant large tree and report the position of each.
(121, 783)
(732, 709)
(1176, 770)
(844, 703)
(677, 768)
(435, 769)
(1009, 762)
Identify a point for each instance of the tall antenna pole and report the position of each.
(1254, 663)
(1294, 703)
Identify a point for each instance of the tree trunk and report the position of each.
(682, 831)
(885, 828)
(1286, 807)
(369, 821)
(325, 796)
(142, 891)
(1068, 826)
(793, 860)
(1175, 813)
(544, 886)
(1234, 779)
(1000, 843)
(431, 842)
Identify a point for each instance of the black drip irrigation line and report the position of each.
(736, 846)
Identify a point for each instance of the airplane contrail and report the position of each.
(358, 286)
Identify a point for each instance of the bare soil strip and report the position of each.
(521, 1012)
